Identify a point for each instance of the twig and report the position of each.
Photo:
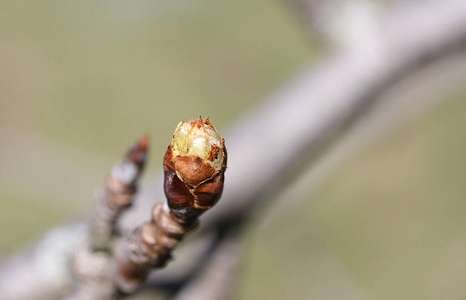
(148, 247)
(194, 167)
(92, 265)
(117, 196)
(215, 280)
(298, 119)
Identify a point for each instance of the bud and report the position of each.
(127, 171)
(194, 167)
(138, 153)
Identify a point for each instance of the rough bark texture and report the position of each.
(149, 247)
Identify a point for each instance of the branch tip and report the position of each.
(138, 153)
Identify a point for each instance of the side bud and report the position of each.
(194, 167)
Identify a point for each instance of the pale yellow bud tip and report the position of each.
(200, 138)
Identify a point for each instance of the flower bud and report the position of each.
(194, 167)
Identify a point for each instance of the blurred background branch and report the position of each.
(339, 23)
(421, 43)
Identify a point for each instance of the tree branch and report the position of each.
(215, 280)
(321, 103)
(274, 139)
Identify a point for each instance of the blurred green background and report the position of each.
(81, 80)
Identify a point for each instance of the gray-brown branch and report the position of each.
(276, 137)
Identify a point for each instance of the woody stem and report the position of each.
(148, 247)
